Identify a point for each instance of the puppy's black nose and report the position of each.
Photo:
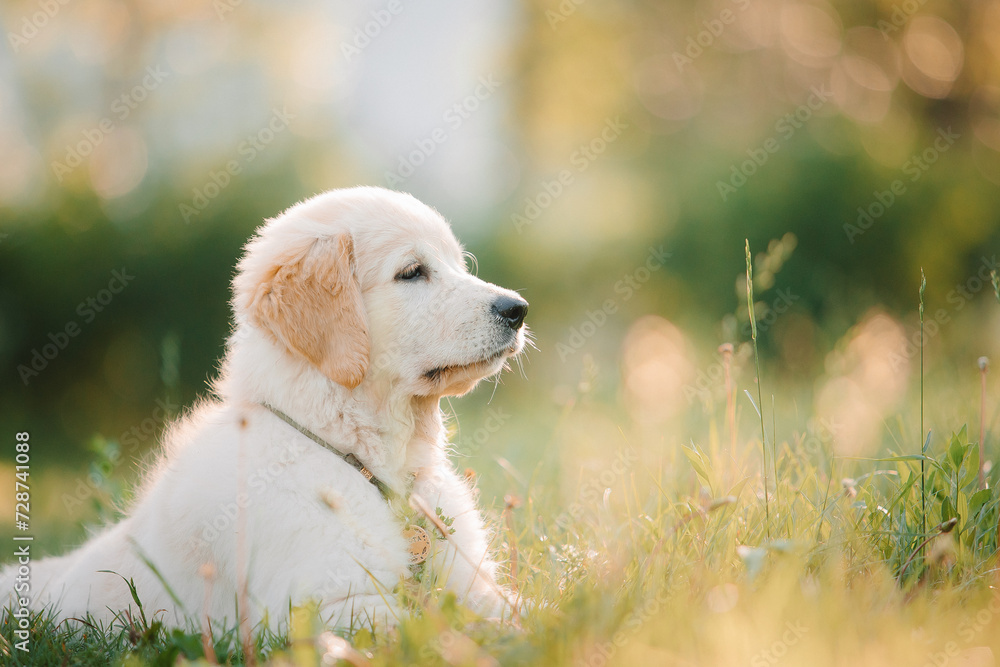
(510, 310)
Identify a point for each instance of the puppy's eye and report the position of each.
(412, 272)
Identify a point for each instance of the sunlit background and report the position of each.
(607, 159)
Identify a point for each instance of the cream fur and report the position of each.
(325, 332)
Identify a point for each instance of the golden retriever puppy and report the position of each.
(354, 313)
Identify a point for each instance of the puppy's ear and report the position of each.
(312, 305)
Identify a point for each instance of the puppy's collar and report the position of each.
(351, 459)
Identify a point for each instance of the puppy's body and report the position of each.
(337, 329)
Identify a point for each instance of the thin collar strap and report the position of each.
(350, 458)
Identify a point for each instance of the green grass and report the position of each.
(678, 569)
(686, 556)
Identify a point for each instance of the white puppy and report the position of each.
(354, 314)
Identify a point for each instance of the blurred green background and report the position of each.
(852, 143)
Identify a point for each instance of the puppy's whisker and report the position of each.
(520, 367)
(472, 259)
(496, 383)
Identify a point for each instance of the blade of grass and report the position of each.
(760, 401)
(774, 451)
(984, 367)
(923, 480)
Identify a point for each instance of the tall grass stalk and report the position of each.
(774, 446)
(760, 401)
(984, 367)
(923, 450)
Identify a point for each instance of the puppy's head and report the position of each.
(370, 285)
